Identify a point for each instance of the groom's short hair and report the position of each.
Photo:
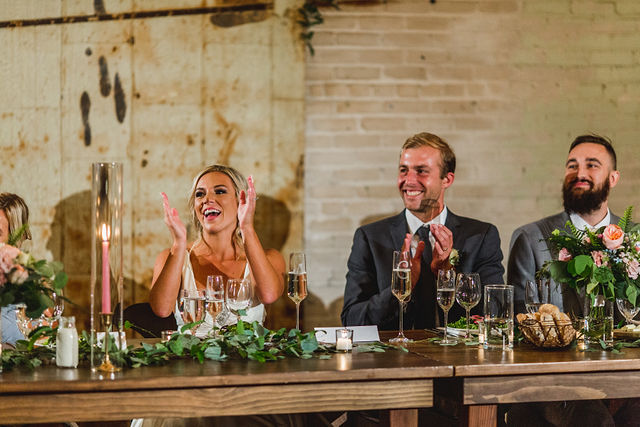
(600, 140)
(426, 139)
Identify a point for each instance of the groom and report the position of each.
(426, 169)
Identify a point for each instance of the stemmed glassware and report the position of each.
(468, 293)
(192, 306)
(297, 281)
(536, 293)
(445, 295)
(401, 286)
(215, 299)
(627, 309)
(238, 295)
(52, 315)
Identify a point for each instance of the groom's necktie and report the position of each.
(424, 294)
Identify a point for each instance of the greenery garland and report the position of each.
(243, 340)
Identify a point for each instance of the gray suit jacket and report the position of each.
(528, 251)
(367, 296)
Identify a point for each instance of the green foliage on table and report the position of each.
(462, 324)
(27, 354)
(243, 340)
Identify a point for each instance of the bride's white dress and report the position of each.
(255, 313)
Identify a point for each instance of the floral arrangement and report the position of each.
(23, 279)
(602, 262)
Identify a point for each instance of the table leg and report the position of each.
(481, 415)
(403, 417)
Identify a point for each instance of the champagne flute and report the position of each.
(627, 309)
(445, 295)
(401, 286)
(468, 293)
(192, 306)
(215, 297)
(238, 295)
(297, 281)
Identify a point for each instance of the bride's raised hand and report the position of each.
(174, 223)
(247, 205)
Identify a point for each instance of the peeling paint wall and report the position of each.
(166, 88)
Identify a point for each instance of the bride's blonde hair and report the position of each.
(239, 184)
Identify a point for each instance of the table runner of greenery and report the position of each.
(244, 340)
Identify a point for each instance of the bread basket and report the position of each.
(548, 334)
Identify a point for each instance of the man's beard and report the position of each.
(584, 202)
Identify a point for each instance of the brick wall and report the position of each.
(508, 83)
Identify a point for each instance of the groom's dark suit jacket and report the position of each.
(367, 296)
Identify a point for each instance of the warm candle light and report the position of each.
(106, 282)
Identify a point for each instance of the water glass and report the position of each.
(192, 306)
(536, 293)
(215, 299)
(498, 316)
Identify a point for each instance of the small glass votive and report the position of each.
(166, 335)
(344, 340)
(481, 332)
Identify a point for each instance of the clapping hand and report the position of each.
(247, 205)
(415, 259)
(441, 248)
(174, 223)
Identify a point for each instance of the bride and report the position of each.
(222, 203)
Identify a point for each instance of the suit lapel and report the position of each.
(398, 230)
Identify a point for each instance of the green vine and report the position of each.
(244, 341)
(310, 15)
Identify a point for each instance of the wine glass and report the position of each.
(401, 286)
(627, 309)
(446, 291)
(238, 295)
(536, 293)
(192, 302)
(51, 315)
(468, 293)
(297, 281)
(24, 322)
(215, 298)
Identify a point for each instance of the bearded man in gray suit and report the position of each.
(590, 173)
(426, 169)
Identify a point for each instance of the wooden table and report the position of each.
(485, 378)
(353, 381)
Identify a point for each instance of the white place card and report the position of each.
(367, 333)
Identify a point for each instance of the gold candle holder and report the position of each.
(106, 365)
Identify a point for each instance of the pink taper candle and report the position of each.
(106, 272)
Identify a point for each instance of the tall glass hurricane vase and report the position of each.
(401, 287)
(106, 265)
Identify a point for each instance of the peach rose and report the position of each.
(613, 236)
(564, 255)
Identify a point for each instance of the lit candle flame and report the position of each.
(105, 233)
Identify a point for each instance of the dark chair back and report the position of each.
(146, 322)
